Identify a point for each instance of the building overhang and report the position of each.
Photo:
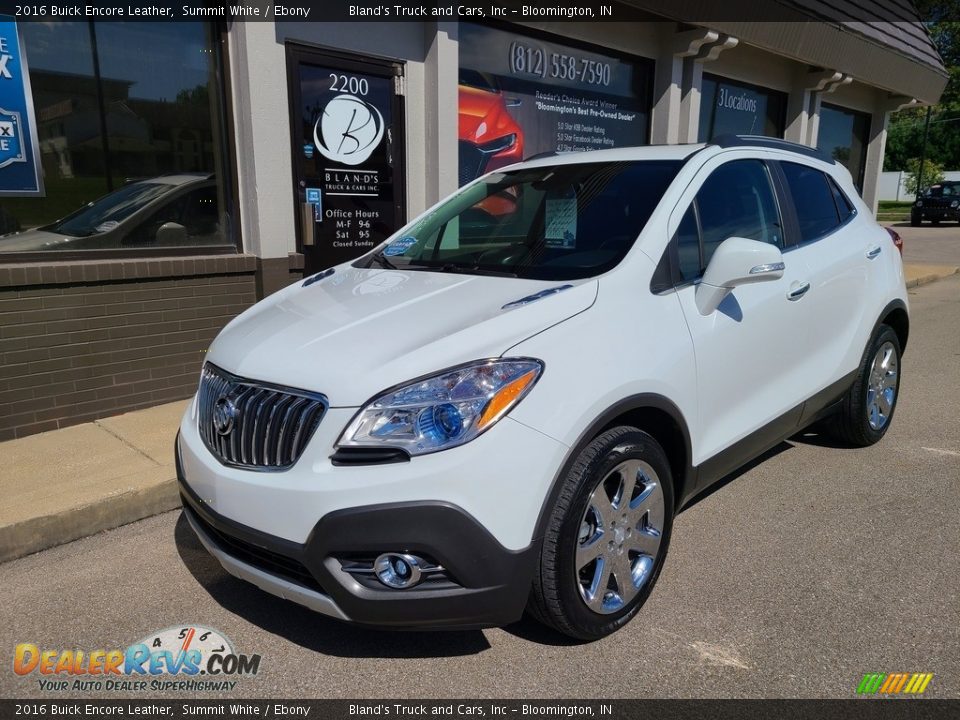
(896, 56)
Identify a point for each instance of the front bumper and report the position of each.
(471, 511)
(936, 213)
(483, 583)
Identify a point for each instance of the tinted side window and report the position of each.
(737, 200)
(844, 206)
(813, 199)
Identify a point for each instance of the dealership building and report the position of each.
(234, 158)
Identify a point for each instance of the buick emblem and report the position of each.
(224, 415)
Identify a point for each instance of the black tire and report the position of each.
(556, 597)
(852, 423)
(915, 219)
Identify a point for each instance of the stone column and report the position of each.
(879, 121)
(679, 74)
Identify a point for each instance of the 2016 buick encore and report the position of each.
(505, 405)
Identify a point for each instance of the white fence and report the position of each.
(892, 185)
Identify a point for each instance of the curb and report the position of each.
(932, 277)
(36, 534)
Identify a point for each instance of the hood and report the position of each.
(36, 240)
(360, 331)
(483, 116)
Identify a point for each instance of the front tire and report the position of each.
(867, 409)
(607, 536)
(915, 219)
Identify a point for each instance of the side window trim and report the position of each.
(788, 212)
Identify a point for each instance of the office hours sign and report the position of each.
(346, 156)
(20, 171)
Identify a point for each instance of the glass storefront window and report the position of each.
(844, 135)
(730, 107)
(130, 126)
(522, 94)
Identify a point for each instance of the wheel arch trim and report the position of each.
(898, 309)
(683, 486)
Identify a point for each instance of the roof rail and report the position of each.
(730, 141)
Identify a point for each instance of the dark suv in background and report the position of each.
(938, 202)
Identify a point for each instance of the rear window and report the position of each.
(813, 200)
(945, 190)
(844, 206)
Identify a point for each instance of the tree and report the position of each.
(932, 174)
(905, 134)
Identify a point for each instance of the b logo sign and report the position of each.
(348, 130)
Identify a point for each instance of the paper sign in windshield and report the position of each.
(561, 222)
(400, 246)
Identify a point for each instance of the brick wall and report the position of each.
(84, 340)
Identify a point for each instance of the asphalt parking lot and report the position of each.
(815, 566)
(930, 244)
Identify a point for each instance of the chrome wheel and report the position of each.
(882, 386)
(619, 538)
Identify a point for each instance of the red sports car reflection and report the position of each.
(489, 137)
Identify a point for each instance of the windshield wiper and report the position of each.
(381, 260)
(475, 270)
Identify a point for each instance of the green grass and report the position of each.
(893, 205)
(893, 210)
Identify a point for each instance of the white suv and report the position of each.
(504, 406)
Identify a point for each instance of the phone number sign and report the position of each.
(20, 174)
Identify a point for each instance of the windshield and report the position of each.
(107, 212)
(943, 191)
(474, 79)
(552, 223)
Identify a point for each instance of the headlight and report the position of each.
(919, 203)
(955, 204)
(501, 143)
(445, 410)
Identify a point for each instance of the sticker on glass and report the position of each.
(400, 246)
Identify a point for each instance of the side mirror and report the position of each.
(171, 233)
(737, 261)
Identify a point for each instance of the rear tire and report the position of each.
(606, 537)
(868, 407)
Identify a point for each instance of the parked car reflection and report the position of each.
(164, 211)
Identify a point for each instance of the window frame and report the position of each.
(788, 194)
(855, 115)
(219, 34)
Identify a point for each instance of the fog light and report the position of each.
(398, 570)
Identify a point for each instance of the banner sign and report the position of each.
(521, 95)
(20, 174)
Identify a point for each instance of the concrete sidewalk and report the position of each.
(922, 274)
(66, 484)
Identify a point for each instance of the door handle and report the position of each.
(873, 252)
(798, 292)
